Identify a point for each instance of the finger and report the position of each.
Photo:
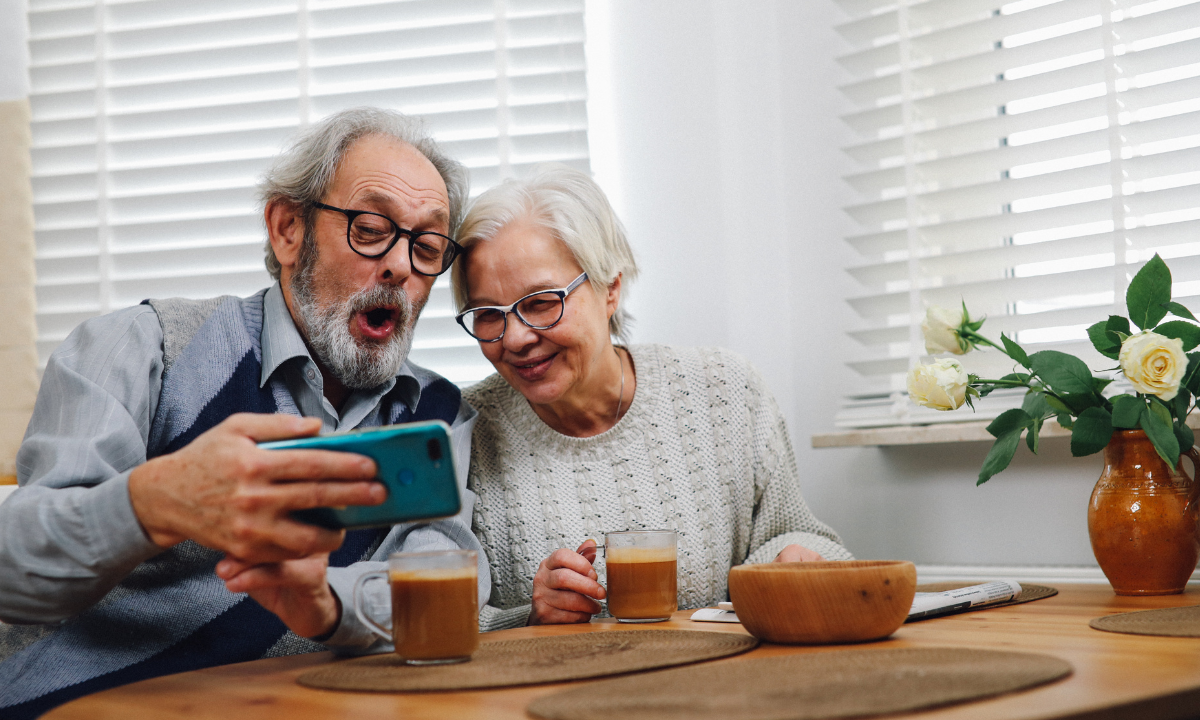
(331, 493)
(258, 577)
(314, 465)
(560, 617)
(587, 550)
(282, 539)
(230, 567)
(570, 602)
(262, 427)
(566, 559)
(563, 579)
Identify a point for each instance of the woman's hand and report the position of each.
(565, 588)
(798, 553)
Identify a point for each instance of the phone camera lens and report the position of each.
(434, 448)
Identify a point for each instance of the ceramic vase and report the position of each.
(1142, 518)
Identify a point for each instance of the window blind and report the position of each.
(1023, 157)
(153, 120)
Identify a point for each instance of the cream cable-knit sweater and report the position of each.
(702, 450)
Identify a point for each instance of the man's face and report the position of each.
(358, 313)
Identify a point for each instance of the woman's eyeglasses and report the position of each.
(540, 310)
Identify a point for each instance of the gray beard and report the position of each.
(359, 366)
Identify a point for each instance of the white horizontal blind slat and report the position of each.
(154, 119)
(1050, 146)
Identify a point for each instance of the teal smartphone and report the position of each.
(416, 465)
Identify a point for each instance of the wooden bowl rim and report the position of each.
(831, 566)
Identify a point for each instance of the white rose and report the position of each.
(1154, 364)
(941, 330)
(941, 385)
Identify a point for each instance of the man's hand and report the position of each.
(565, 588)
(295, 590)
(797, 553)
(226, 494)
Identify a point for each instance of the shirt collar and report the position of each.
(281, 341)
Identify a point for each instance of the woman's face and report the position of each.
(543, 365)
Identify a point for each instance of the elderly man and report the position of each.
(146, 510)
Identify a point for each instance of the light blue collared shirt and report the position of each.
(69, 534)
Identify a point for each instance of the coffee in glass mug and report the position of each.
(641, 568)
(435, 606)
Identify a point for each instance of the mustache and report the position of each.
(392, 296)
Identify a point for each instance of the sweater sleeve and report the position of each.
(781, 517)
(69, 534)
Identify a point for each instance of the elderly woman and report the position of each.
(577, 436)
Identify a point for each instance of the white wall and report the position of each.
(722, 116)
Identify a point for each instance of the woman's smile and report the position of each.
(532, 370)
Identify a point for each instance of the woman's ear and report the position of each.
(614, 295)
(285, 229)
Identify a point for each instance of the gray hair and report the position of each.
(302, 174)
(574, 209)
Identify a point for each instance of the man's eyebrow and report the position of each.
(438, 215)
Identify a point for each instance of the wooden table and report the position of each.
(1116, 676)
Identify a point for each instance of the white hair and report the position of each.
(575, 210)
(302, 174)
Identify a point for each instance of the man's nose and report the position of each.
(395, 266)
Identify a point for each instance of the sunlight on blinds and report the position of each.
(1023, 157)
(153, 119)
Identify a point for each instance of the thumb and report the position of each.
(588, 550)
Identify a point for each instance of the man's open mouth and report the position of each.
(377, 323)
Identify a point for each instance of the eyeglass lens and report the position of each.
(541, 311)
(371, 235)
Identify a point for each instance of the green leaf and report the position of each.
(1185, 436)
(1127, 410)
(1031, 437)
(1093, 429)
(1099, 383)
(1191, 378)
(1000, 455)
(1149, 291)
(1161, 434)
(1062, 372)
(1009, 421)
(1179, 403)
(1014, 351)
(1035, 405)
(1065, 421)
(1182, 329)
(1016, 377)
(1080, 402)
(1057, 406)
(1118, 325)
(1102, 340)
(1158, 408)
(1180, 311)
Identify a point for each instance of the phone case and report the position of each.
(416, 464)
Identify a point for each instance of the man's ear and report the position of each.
(285, 228)
(614, 295)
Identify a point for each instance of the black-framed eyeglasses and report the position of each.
(540, 310)
(373, 235)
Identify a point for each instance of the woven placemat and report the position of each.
(529, 661)
(841, 684)
(1029, 592)
(1172, 622)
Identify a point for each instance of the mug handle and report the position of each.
(358, 605)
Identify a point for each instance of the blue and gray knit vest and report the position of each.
(172, 614)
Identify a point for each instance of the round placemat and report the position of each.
(1029, 592)
(1172, 622)
(529, 661)
(812, 686)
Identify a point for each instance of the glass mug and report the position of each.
(435, 605)
(641, 574)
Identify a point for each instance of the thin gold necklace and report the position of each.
(621, 392)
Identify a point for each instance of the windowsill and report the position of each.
(933, 434)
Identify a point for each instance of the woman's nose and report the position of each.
(518, 335)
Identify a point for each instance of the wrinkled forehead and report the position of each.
(391, 176)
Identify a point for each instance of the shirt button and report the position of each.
(312, 374)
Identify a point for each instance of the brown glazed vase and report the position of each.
(1142, 518)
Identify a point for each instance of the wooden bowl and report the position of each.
(815, 603)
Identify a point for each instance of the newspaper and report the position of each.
(925, 605)
(935, 604)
